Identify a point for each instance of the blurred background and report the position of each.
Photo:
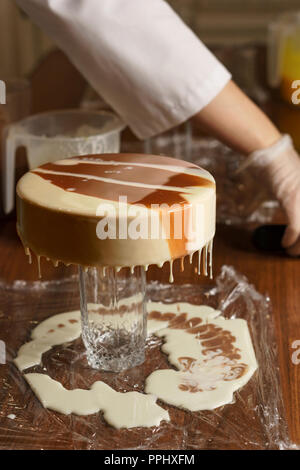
(257, 40)
(217, 22)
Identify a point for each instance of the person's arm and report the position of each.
(234, 119)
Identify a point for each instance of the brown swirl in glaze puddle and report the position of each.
(216, 342)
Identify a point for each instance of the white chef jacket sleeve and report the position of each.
(137, 54)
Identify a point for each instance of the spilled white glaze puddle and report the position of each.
(213, 356)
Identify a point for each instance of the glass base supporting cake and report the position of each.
(113, 317)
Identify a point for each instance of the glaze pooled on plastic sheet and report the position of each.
(213, 356)
(255, 419)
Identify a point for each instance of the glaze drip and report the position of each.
(207, 249)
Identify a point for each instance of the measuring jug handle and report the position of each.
(11, 141)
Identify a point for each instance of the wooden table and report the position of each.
(279, 276)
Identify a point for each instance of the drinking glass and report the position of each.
(113, 316)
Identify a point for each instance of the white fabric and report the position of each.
(137, 54)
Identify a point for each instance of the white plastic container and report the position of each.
(52, 136)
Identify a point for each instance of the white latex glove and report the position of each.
(279, 165)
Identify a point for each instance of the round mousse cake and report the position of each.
(116, 210)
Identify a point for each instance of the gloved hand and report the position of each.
(279, 165)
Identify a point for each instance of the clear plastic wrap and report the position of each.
(255, 420)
